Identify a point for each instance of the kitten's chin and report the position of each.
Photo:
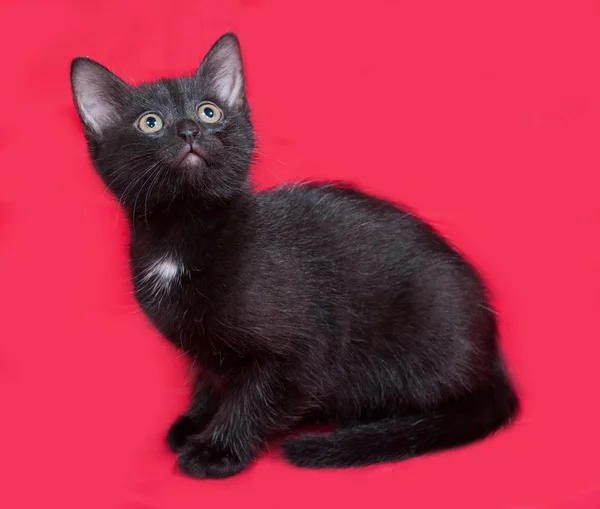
(192, 161)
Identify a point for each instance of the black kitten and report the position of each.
(308, 304)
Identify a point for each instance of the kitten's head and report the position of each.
(188, 136)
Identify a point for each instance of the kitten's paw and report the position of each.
(207, 461)
(179, 432)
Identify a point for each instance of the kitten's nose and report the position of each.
(188, 130)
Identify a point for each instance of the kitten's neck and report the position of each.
(194, 227)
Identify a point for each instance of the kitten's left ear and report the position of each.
(222, 71)
(99, 94)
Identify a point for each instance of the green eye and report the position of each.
(209, 113)
(150, 123)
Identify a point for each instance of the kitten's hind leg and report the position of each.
(201, 409)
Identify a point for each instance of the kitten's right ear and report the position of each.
(99, 94)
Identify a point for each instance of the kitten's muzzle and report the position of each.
(192, 155)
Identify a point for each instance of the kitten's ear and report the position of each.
(98, 93)
(222, 71)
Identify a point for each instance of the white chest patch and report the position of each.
(162, 274)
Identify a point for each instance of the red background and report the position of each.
(481, 115)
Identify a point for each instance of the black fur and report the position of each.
(307, 304)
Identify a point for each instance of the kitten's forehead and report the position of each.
(173, 95)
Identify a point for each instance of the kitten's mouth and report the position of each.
(191, 157)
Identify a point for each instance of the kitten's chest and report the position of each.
(190, 297)
(159, 278)
(164, 288)
(178, 299)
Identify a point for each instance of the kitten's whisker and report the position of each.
(154, 180)
(256, 151)
(275, 175)
(131, 184)
(149, 174)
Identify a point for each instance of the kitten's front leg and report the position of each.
(238, 429)
(199, 413)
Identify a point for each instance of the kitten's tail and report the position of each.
(471, 418)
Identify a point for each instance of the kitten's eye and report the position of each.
(150, 123)
(209, 113)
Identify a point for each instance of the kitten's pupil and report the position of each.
(209, 112)
(151, 122)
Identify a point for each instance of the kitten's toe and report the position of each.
(180, 431)
(206, 461)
